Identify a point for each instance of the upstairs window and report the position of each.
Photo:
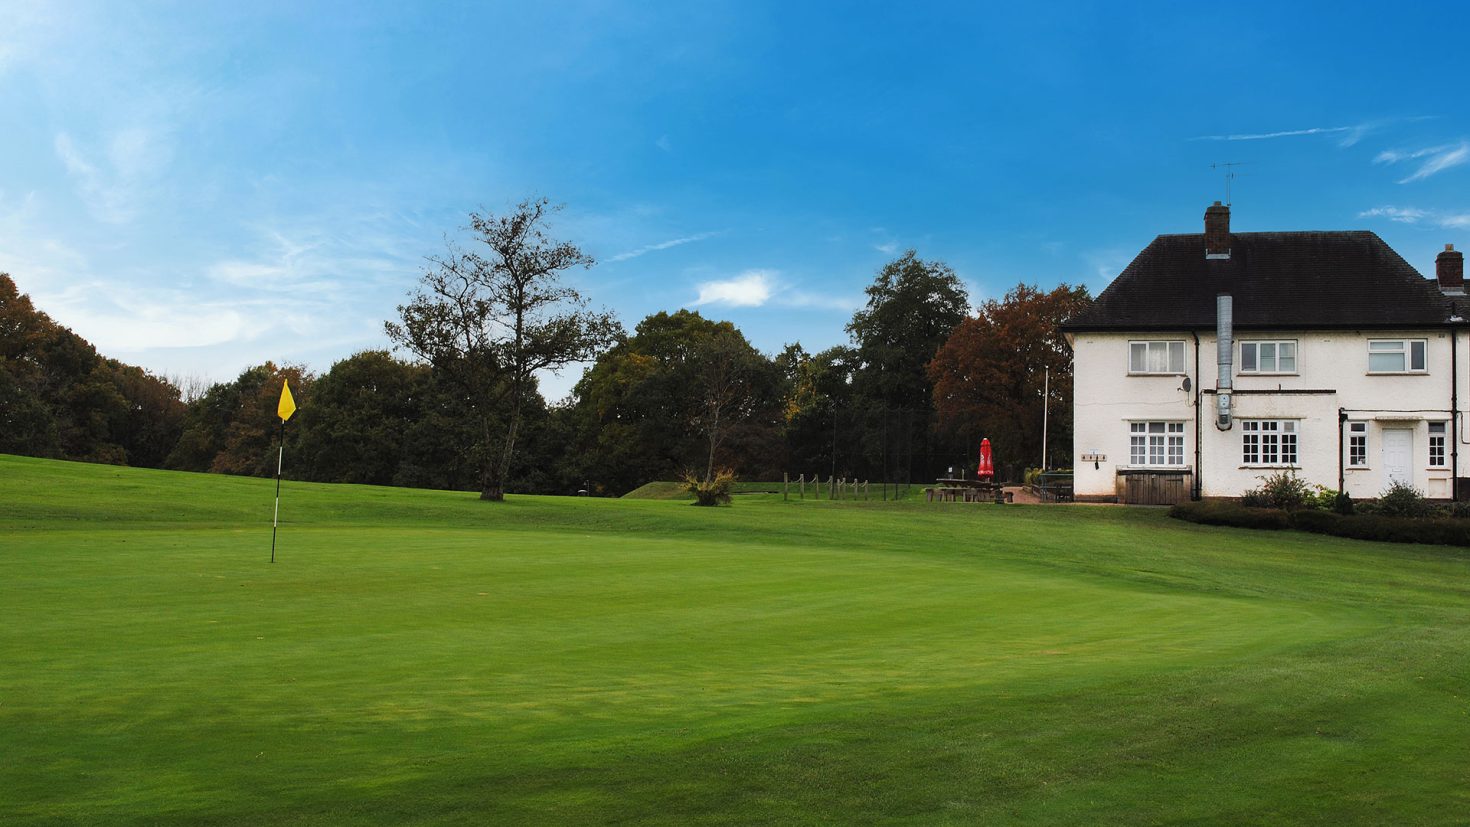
(1397, 355)
(1163, 356)
(1268, 357)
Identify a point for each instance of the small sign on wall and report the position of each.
(1094, 456)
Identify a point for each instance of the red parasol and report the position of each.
(987, 467)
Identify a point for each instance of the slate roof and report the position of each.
(1298, 280)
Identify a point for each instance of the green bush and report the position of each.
(1220, 512)
(1431, 531)
(1285, 490)
(715, 491)
(1403, 500)
(1343, 503)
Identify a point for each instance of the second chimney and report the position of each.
(1449, 269)
(1217, 231)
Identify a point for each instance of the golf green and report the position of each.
(421, 657)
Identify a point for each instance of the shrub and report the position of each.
(1403, 500)
(1459, 510)
(1216, 512)
(1439, 531)
(1285, 490)
(1254, 498)
(1342, 503)
(715, 491)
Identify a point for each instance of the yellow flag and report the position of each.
(287, 405)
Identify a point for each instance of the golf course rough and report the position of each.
(421, 657)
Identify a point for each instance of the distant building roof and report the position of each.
(1278, 280)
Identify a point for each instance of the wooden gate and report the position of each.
(1155, 488)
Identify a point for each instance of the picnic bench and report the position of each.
(966, 491)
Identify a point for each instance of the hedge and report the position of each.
(1444, 531)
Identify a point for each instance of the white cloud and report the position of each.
(662, 245)
(887, 248)
(1437, 159)
(1354, 132)
(1404, 215)
(1414, 215)
(751, 288)
(663, 143)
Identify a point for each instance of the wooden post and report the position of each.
(867, 490)
(801, 483)
(832, 484)
(785, 486)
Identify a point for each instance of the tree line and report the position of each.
(921, 381)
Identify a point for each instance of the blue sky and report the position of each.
(201, 187)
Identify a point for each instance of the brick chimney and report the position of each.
(1449, 269)
(1217, 231)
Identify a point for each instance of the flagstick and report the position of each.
(276, 518)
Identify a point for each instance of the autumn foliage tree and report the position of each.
(989, 375)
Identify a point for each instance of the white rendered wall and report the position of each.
(1107, 398)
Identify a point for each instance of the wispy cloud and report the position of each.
(1351, 134)
(751, 288)
(1403, 215)
(1414, 215)
(662, 245)
(115, 185)
(1435, 159)
(887, 248)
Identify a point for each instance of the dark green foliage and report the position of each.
(233, 428)
(1343, 503)
(1224, 512)
(360, 414)
(59, 398)
(913, 306)
(1430, 531)
(682, 392)
(1403, 500)
(1283, 490)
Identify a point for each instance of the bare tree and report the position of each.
(490, 317)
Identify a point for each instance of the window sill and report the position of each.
(1358, 468)
(1397, 373)
(1248, 374)
(1151, 373)
(1263, 467)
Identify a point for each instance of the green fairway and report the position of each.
(421, 657)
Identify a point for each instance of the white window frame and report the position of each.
(1270, 443)
(1438, 444)
(1251, 352)
(1357, 444)
(1170, 348)
(1156, 444)
(1405, 350)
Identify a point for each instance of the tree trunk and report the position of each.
(495, 489)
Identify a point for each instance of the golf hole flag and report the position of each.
(284, 409)
(287, 405)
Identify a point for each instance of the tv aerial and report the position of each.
(1229, 167)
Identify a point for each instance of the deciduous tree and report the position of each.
(989, 376)
(490, 317)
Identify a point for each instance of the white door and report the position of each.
(1398, 455)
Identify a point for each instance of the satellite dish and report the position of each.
(1187, 386)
